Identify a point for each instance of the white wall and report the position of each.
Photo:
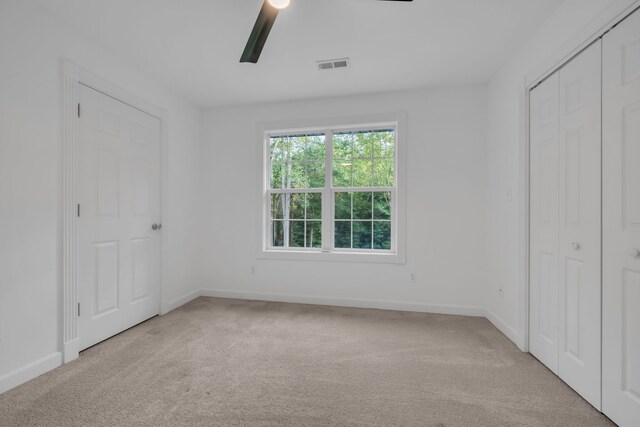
(505, 224)
(32, 45)
(445, 206)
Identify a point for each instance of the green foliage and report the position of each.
(382, 235)
(363, 159)
(363, 220)
(362, 234)
(297, 161)
(296, 220)
(300, 233)
(342, 237)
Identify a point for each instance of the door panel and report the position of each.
(105, 284)
(631, 339)
(141, 268)
(119, 195)
(630, 169)
(579, 242)
(108, 189)
(543, 336)
(621, 223)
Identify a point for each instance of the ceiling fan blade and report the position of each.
(259, 34)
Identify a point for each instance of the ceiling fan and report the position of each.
(262, 27)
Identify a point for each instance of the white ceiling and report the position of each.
(193, 46)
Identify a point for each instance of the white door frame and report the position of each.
(612, 15)
(73, 76)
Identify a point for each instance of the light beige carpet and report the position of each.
(231, 362)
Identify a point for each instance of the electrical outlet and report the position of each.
(500, 292)
(253, 270)
(412, 277)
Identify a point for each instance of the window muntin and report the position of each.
(332, 190)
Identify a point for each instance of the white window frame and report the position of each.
(396, 255)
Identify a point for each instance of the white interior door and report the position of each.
(119, 197)
(621, 223)
(543, 322)
(565, 235)
(579, 225)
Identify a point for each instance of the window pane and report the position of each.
(297, 178)
(343, 205)
(278, 175)
(297, 147)
(314, 234)
(383, 144)
(362, 173)
(362, 207)
(362, 234)
(277, 206)
(297, 161)
(277, 234)
(381, 235)
(342, 146)
(314, 206)
(363, 145)
(342, 237)
(342, 170)
(383, 173)
(296, 210)
(278, 148)
(315, 175)
(382, 205)
(296, 234)
(315, 151)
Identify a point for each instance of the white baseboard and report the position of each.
(346, 302)
(518, 338)
(30, 371)
(71, 350)
(172, 305)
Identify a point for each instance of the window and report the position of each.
(332, 191)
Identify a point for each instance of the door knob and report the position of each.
(156, 227)
(635, 252)
(576, 246)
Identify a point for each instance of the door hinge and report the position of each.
(78, 110)
(78, 309)
(78, 210)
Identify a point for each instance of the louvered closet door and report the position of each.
(621, 223)
(565, 250)
(543, 322)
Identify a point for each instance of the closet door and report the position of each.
(621, 223)
(543, 322)
(579, 225)
(565, 235)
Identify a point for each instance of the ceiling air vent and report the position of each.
(333, 63)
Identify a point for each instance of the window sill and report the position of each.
(356, 257)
